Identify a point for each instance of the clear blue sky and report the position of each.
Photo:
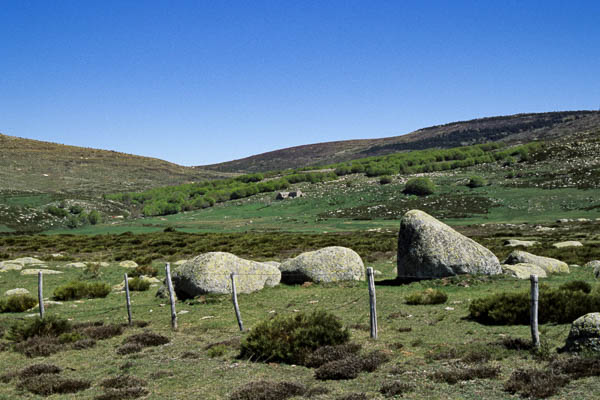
(198, 82)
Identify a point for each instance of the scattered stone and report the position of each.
(16, 291)
(584, 335)
(583, 220)
(570, 243)
(523, 270)
(35, 271)
(592, 264)
(516, 242)
(76, 265)
(128, 264)
(329, 264)
(27, 261)
(563, 220)
(550, 265)
(210, 273)
(10, 266)
(428, 248)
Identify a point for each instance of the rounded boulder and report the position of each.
(329, 264)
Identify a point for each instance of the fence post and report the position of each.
(535, 334)
(372, 303)
(171, 297)
(235, 302)
(41, 293)
(128, 299)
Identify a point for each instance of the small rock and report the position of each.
(128, 264)
(516, 242)
(27, 261)
(13, 292)
(570, 243)
(76, 265)
(523, 270)
(183, 312)
(36, 271)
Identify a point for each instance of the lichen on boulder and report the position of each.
(584, 335)
(210, 273)
(329, 264)
(550, 265)
(523, 270)
(428, 248)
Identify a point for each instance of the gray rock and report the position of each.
(584, 335)
(592, 264)
(34, 271)
(329, 264)
(76, 265)
(428, 248)
(550, 265)
(13, 292)
(523, 271)
(27, 261)
(570, 243)
(516, 242)
(10, 266)
(210, 273)
(128, 264)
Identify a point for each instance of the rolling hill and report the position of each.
(34, 166)
(513, 129)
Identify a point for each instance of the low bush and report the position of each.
(353, 396)
(39, 369)
(70, 337)
(123, 393)
(75, 290)
(535, 383)
(51, 325)
(555, 305)
(146, 270)
(420, 186)
(455, 374)
(101, 332)
(426, 297)
(396, 388)
(290, 339)
(350, 366)
(476, 181)
(17, 303)
(122, 381)
(45, 385)
(138, 285)
(38, 346)
(384, 180)
(147, 339)
(576, 285)
(326, 354)
(265, 390)
(129, 348)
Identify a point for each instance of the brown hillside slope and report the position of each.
(34, 166)
(512, 128)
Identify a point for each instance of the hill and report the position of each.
(34, 166)
(512, 129)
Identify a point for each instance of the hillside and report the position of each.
(513, 129)
(34, 166)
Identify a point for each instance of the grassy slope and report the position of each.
(513, 128)
(42, 167)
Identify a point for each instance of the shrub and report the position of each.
(17, 303)
(38, 346)
(290, 339)
(70, 337)
(395, 388)
(419, 186)
(102, 332)
(75, 290)
(129, 348)
(264, 390)
(147, 339)
(476, 181)
(347, 368)
(39, 369)
(428, 296)
(45, 385)
(146, 270)
(122, 381)
(535, 383)
(326, 354)
(455, 374)
(138, 284)
(384, 180)
(576, 285)
(122, 393)
(94, 217)
(51, 325)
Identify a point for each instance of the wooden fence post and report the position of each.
(171, 297)
(128, 299)
(372, 302)
(41, 293)
(235, 302)
(535, 334)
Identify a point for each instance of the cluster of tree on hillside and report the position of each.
(74, 215)
(435, 160)
(193, 196)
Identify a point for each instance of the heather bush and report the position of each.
(428, 296)
(17, 303)
(419, 186)
(75, 290)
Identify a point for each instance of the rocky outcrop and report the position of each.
(428, 248)
(550, 265)
(523, 243)
(210, 273)
(584, 335)
(523, 271)
(329, 264)
(17, 291)
(570, 243)
(128, 264)
(35, 271)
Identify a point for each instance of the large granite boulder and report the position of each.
(428, 248)
(523, 271)
(210, 273)
(550, 265)
(329, 264)
(584, 334)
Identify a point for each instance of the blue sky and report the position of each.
(199, 82)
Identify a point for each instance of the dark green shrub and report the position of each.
(535, 383)
(476, 181)
(146, 270)
(94, 217)
(419, 186)
(576, 285)
(396, 388)
(347, 368)
(384, 180)
(70, 337)
(147, 339)
(39, 369)
(455, 374)
(17, 303)
(264, 390)
(290, 339)
(326, 354)
(555, 305)
(75, 209)
(138, 284)
(51, 325)
(38, 346)
(57, 212)
(428, 296)
(75, 290)
(45, 385)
